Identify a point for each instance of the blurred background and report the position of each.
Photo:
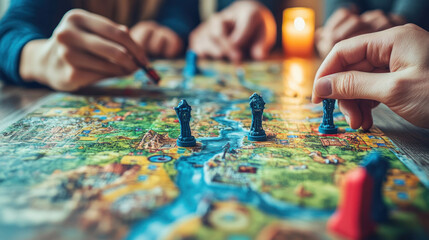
(317, 5)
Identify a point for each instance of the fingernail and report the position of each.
(324, 87)
(123, 28)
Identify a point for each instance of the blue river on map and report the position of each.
(196, 192)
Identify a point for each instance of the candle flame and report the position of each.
(299, 23)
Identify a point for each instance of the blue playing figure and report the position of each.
(327, 126)
(191, 65)
(183, 111)
(257, 105)
(377, 165)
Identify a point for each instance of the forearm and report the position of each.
(12, 41)
(25, 21)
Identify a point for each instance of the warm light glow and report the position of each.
(299, 23)
(298, 32)
(298, 75)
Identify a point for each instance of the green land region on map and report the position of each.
(109, 167)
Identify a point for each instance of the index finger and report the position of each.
(110, 30)
(359, 53)
(374, 48)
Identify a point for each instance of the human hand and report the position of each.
(347, 23)
(391, 67)
(158, 41)
(244, 27)
(83, 49)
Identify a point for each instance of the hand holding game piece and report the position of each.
(245, 26)
(83, 49)
(388, 67)
(157, 40)
(347, 22)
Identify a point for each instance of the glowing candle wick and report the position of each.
(299, 23)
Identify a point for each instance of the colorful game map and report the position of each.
(106, 166)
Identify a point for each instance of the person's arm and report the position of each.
(180, 16)
(25, 20)
(412, 11)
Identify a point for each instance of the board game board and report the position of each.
(107, 167)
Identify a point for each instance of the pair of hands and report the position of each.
(244, 28)
(391, 67)
(86, 48)
(347, 22)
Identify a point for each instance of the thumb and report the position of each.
(353, 85)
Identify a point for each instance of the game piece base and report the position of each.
(186, 143)
(329, 130)
(188, 72)
(257, 138)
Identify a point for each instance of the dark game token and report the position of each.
(257, 105)
(183, 111)
(377, 165)
(327, 126)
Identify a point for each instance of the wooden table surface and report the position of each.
(414, 141)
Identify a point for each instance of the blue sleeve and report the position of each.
(182, 16)
(413, 11)
(26, 20)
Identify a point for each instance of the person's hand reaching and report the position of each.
(83, 49)
(245, 27)
(157, 40)
(346, 23)
(391, 67)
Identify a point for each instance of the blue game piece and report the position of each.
(257, 105)
(191, 65)
(376, 165)
(327, 126)
(183, 111)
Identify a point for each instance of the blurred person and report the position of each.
(70, 44)
(349, 18)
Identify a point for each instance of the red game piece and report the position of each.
(352, 219)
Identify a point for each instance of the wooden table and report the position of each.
(414, 141)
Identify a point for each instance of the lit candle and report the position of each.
(298, 32)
